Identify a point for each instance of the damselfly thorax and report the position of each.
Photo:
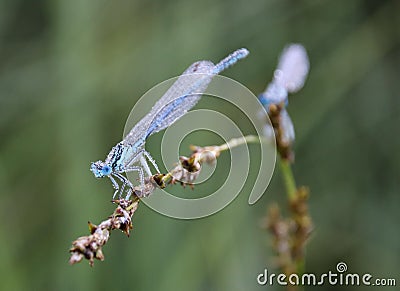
(130, 155)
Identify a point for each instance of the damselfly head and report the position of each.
(100, 169)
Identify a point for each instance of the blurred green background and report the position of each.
(70, 72)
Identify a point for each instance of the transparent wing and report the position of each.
(187, 90)
(288, 135)
(180, 97)
(293, 68)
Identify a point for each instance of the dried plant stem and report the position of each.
(239, 141)
(90, 247)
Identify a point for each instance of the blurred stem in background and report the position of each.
(288, 179)
(290, 234)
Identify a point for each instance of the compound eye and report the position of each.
(96, 169)
(106, 170)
